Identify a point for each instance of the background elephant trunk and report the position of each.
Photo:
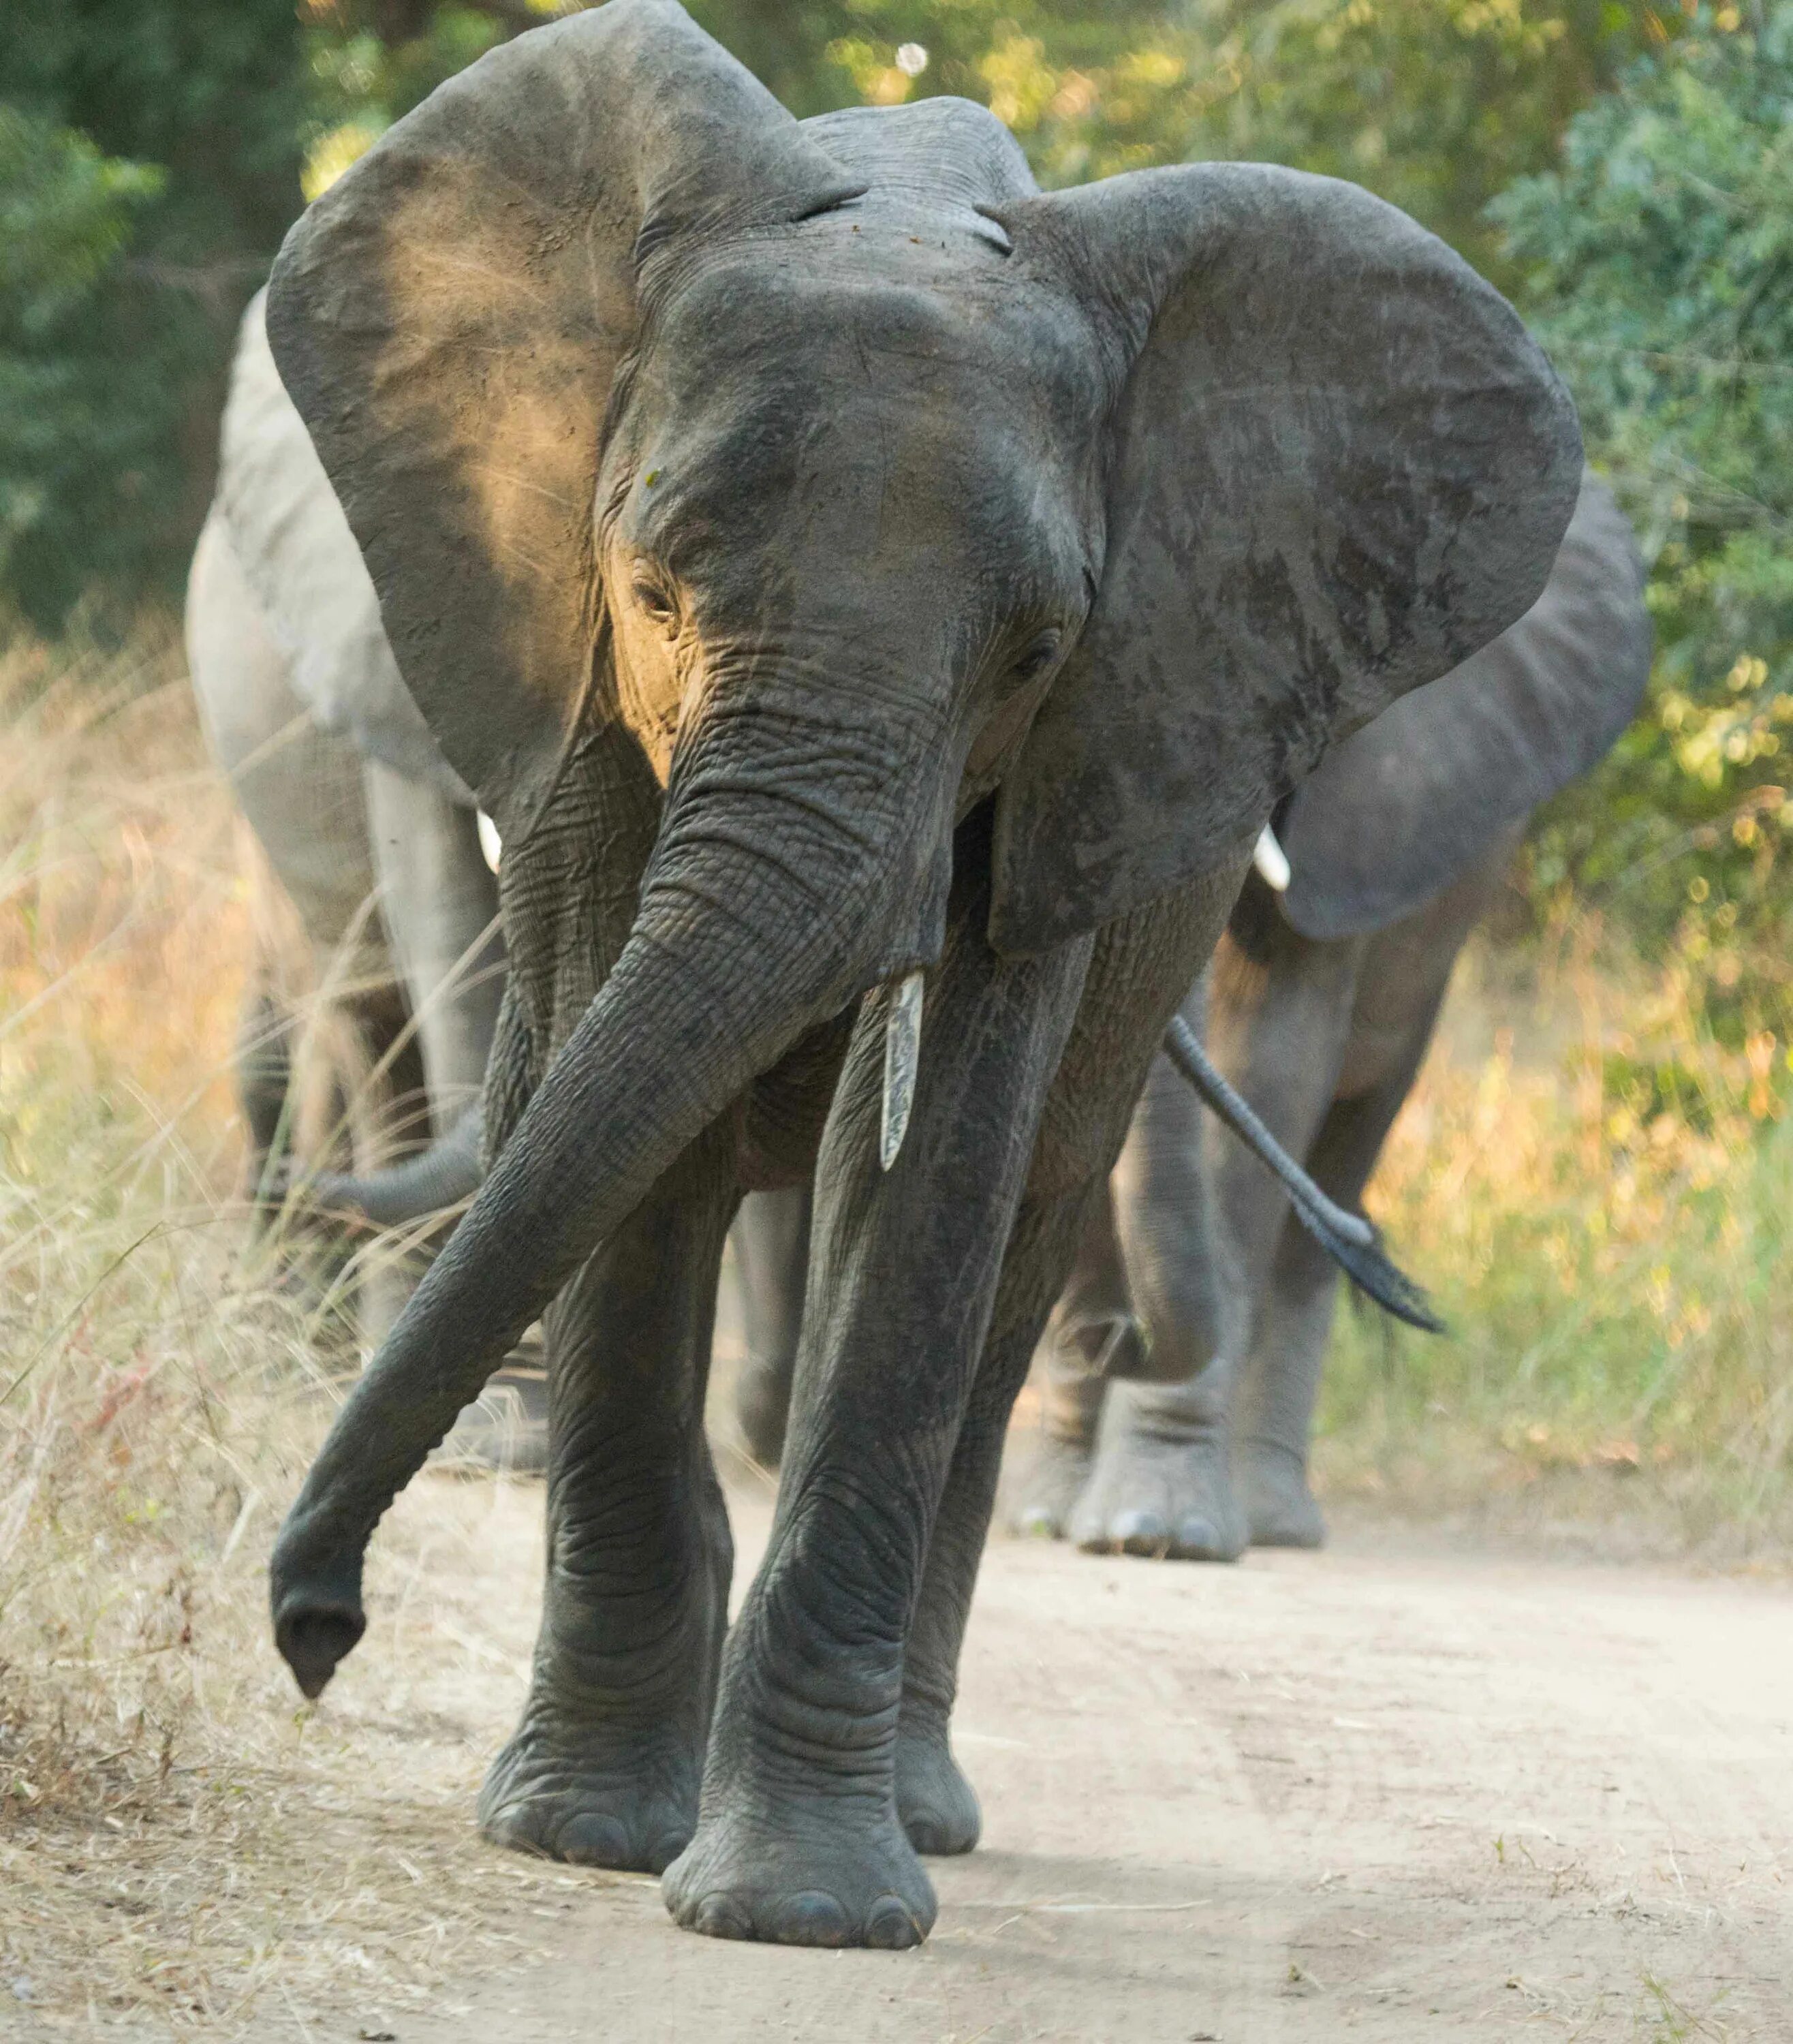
(761, 917)
(444, 1175)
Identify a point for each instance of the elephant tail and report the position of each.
(1348, 1239)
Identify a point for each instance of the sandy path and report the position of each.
(1366, 1793)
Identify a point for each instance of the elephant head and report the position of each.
(1400, 811)
(850, 481)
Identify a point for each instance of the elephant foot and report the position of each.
(587, 1798)
(809, 1870)
(936, 1804)
(1281, 1509)
(1172, 1499)
(1054, 1482)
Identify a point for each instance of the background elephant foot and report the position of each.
(762, 1400)
(1049, 1487)
(1279, 1508)
(593, 1798)
(937, 1805)
(505, 1429)
(808, 1870)
(1159, 1486)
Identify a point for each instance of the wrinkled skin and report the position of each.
(370, 840)
(812, 530)
(1325, 1040)
(1323, 1002)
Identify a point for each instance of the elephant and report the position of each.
(362, 829)
(880, 605)
(1321, 1003)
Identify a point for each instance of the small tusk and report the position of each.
(1272, 861)
(902, 1059)
(490, 843)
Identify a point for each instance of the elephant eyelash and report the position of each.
(1037, 656)
(657, 600)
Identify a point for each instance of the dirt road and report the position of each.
(1367, 1793)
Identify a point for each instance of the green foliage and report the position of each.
(1657, 264)
(148, 168)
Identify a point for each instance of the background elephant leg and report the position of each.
(771, 1239)
(264, 1077)
(798, 1841)
(386, 1119)
(1281, 1381)
(1090, 1330)
(1162, 1481)
(440, 904)
(605, 1767)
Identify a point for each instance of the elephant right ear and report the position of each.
(449, 319)
(1409, 803)
(1336, 466)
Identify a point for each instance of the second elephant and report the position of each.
(1320, 1004)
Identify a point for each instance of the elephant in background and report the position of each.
(362, 829)
(880, 605)
(1319, 1005)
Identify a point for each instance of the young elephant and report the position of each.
(1320, 1005)
(840, 570)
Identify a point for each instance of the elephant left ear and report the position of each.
(1338, 465)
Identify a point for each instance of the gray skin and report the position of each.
(1320, 1006)
(827, 557)
(373, 839)
(371, 836)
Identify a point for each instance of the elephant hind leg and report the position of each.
(1282, 1380)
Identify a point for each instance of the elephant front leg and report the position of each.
(605, 1766)
(936, 1803)
(799, 1840)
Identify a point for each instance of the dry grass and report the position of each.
(160, 1793)
(1598, 1187)
(183, 1849)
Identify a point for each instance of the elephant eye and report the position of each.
(656, 600)
(1038, 655)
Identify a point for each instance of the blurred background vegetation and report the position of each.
(1595, 1172)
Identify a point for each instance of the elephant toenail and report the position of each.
(715, 1916)
(890, 1927)
(812, 1918)
(1139, 1531)
(592, 1840)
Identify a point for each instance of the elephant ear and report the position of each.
(449, 318)
(288, 535)
(1338, 465)
(1407, 805)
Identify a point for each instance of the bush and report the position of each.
(1656, 262)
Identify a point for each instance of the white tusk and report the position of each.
(490, 843)
(902, 1059)
(1272, 861)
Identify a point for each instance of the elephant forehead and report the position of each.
(839, 309)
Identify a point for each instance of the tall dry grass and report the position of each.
(1598, 1187)
(161, 1387)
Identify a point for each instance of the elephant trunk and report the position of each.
(444, 1175)
(767, 907)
